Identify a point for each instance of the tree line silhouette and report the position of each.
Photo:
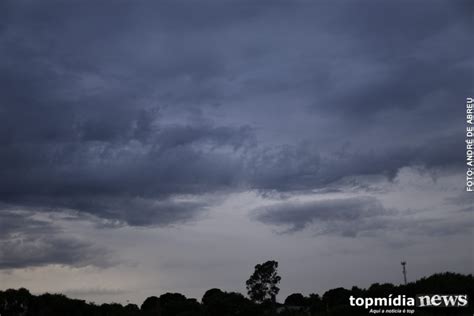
(262, 288)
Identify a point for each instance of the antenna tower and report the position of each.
(404, 272)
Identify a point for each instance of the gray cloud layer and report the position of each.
(347, 217)
(28, 242)
(355, 217)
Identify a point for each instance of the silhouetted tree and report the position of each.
(174, 304)
(219, 303)
(113, 309)
(213, 302)
(15, 302)
(151, 306)
(132, 309)
(296, 299)
(263, 282)
(336, 298)
(315, 304)
(378, 290)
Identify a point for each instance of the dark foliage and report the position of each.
(263, 283)
(296, 299)
(216, 302)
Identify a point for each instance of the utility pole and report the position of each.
(404, 272)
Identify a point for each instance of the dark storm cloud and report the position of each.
(26, 241)
(398, 63)
(347, 217)
(119, 110)
(136, 211)
(300, 167)
(463, 199)
(132, 181)
(355, 217)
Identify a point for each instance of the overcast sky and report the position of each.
(155, 146)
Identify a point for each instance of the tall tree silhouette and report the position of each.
(263, 283)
